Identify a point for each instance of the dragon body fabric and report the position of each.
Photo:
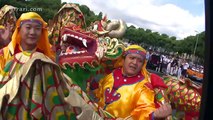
(87, 53)
(185, 96)
(7, 16)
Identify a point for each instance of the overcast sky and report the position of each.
(179, 18)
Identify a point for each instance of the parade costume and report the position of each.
(32, 85)
(14, 46)
(123, 99)
(124, 96)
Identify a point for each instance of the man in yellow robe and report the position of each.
(127, 92)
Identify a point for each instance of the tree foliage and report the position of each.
(46, 8)
(169, 44)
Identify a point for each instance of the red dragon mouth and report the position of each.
(77, 47)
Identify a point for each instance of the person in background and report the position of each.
(185, 67)
(174, 65)
(179, 68)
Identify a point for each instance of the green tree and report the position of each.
(89, 15)
(47, 8)
(173, 38)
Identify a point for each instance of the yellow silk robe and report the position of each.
(123, 98)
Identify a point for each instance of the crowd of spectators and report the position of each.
(173, 65)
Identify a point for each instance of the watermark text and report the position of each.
(28, 9)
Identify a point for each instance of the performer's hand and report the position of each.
(163, 112)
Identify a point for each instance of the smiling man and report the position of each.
(30, 35)
(126, 92)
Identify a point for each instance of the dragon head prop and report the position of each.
(7, 16)
(80, 50)
(72, 42)
(78, 47)
(7, 23)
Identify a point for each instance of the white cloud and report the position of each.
(166, 18)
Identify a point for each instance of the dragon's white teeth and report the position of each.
(95, 27)
(84, 41)
(83, 51)
(76, 37)
(61, 43)
(65, 37)
(71, 53)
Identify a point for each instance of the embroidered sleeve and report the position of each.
(144, 104)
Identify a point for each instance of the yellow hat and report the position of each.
(135, 47)
(119, 62)
(43, 43)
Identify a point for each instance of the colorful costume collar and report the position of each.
(19, 49)
(121, 79)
